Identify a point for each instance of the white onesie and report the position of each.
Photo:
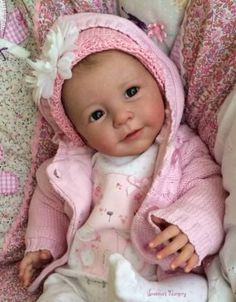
(119, 186)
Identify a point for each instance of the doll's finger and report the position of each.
(25, 261)
(21, 272)
(167, 234)
(184, 256)
(26, 275)
(29, 259)
(178, 243)
(157, 220)
(193, 261)
(25, 264)
(44, 258)
(27, 278)
(22, 268)
(45, 254)
(161, 223)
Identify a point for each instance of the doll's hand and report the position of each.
(30, 263)
(177, 242)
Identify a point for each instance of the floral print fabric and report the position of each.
(44, 17)
(207, 59)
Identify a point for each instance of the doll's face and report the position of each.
(114, 103)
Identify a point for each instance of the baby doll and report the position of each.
(121, 213)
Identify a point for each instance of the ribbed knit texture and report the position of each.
(190, 195)
(101, 32)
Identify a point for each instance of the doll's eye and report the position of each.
(96, 115)
(130, 92)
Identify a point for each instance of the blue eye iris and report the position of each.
(131, 91)
(96, 115)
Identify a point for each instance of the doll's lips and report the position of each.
(133, 135)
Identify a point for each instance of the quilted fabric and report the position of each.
(25, 138)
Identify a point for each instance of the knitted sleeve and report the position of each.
(199, 214)
(47, 224)
(197, 207)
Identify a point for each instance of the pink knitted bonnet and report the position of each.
(73, 38)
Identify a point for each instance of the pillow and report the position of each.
(156, 17)
(25, 138)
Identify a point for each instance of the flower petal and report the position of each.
(57, 57)
(64, 65)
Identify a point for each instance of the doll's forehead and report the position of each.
(98, 57)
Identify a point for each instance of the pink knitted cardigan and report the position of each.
(186, 191)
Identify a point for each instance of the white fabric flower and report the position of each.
(57, 57)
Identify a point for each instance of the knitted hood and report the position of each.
(73, 38)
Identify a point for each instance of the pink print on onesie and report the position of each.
(107, 229)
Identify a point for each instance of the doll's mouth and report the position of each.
(133, 135)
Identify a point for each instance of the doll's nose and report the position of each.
(121, 117)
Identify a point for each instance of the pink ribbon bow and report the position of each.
(157, 30)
